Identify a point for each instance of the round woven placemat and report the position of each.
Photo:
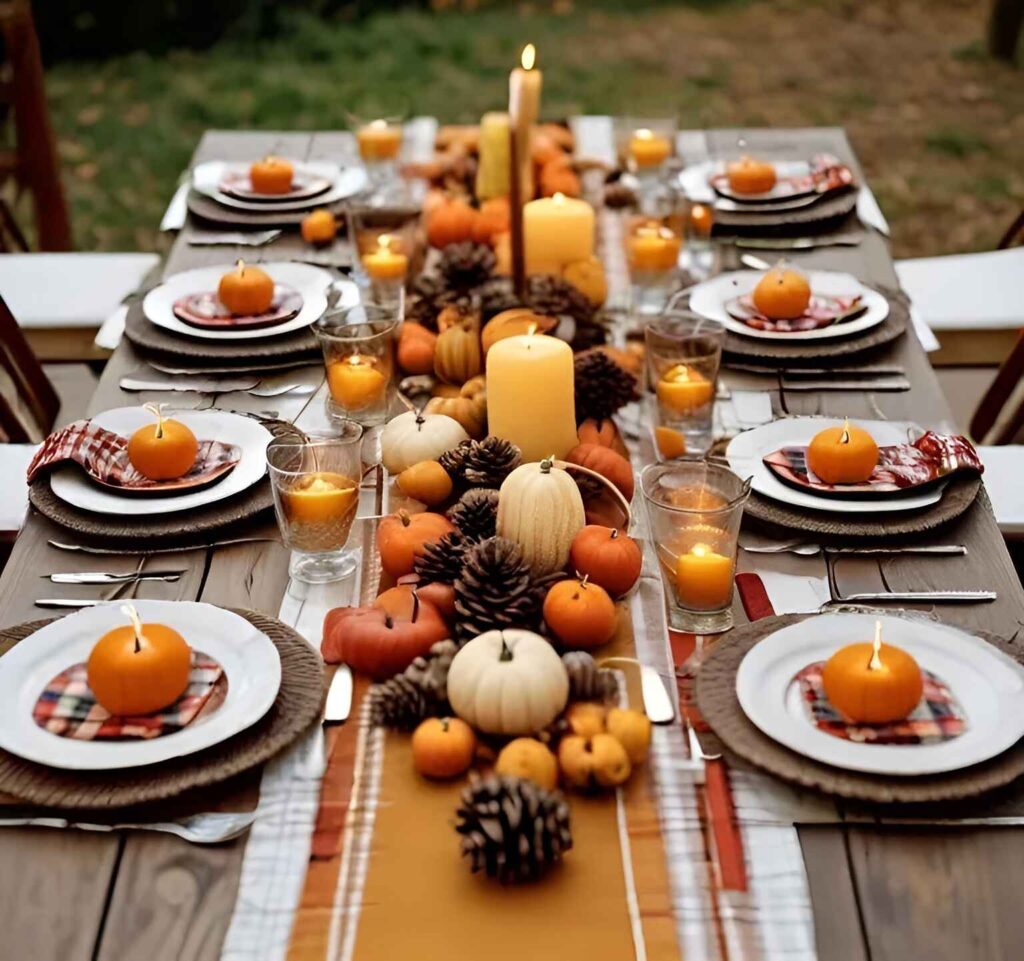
(156, 341)
(956, 498)
(798, 353)
(827, 209)
(298, 706)
(716, 697)
(208, 210)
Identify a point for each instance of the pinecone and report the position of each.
(495, 591)
(430, 673)
(466, 266)
(511, 828)
(441, 560)
(587, 681)
(555, 731)
(602, 386)
(429, 295)
(489, 461)
(401, 703)
(618, 195)
(497, 295)
(452, 460)
(553, 297)
(476, 514)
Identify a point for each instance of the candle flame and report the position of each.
(355, 360)
(680, 374)
(532, 329)
(700, 550)
(559, 198)
(378, 124)
(529, 57)
(384, 242)
(644, 134)
(876, 647)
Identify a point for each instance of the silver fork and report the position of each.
(810, 549)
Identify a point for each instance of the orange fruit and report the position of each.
(164, 450)
(319, 227)
(842, 455)
(782, 294)
(271, 175)
(750, 176)
(246, 290)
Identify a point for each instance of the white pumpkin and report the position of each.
(508, 682)
(412, 437)
(541, 510)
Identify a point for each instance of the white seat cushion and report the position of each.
(69, 290)
(967, 291)
(1003, 469)
(14, 460)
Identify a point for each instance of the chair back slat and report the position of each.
(28, 401)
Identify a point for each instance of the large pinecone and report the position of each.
(497, 295)
(495, 590)
(602, 386)
(466, 266)
(453, 459)
(587, 681)
(489, 461)
(429, 296)
(441, 561)
(553, 297)
(431, 672)
(511, 828)
(401, 703)
(476, 514)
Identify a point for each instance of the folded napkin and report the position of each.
(936, 718)
(104, 455)
(826, 172)
(68, 708)
(822, 311)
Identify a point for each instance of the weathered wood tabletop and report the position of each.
(879, 893)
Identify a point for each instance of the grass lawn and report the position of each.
(939, 127)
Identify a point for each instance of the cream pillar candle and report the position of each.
(557, 231)
(494, 171)
(530, 399)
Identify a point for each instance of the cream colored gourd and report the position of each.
(508, 682)
(541, 510)
(412, 437)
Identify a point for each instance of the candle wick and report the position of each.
(875, 663)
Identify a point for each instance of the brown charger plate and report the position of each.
(825, 210)
(204, 310)
(304, 185)
(207, 209)
(720, 707)
(296, 710)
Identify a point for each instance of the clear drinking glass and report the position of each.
(315, 479)
(694, 510)
(359, 345)
(684, 353)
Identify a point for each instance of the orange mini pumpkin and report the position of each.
(272, 175)
(589, 278)
(401, 538)
(558, 177)
(246, 290)
(512, 323)
(319, 227)
(586, 718)
(593, 762)
(632, 729)
(442, 596)
(750, 176)
(782, 294)
(415, 352)
(580, 614)
(872, 683)
(443, 747)
(527, 758)
(604, 461)
(426, 481)
(610, 559)
(139, 668)
(843, 455)
(450, 222)
(493, 218)
(603, 433)
(164, 450)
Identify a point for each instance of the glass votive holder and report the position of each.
(315, 481)
(684, 353)
(383, 238)
(699, 219)
(359, 346)
(652, 254)
(379, 142)
(694, 510)
(644, 143)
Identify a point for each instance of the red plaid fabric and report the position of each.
(67, 707)
(936, 718)
(104, 455)
(821, 312)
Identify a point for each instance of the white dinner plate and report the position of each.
(249, 658)
(710, 297)
(71, 484)
(311, 282)
(988, 685)
(746, 450)
(347, 182)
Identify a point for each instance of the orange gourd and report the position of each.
(450, 222)
(164, 450)
(558, 177)
(580, 614)
(632, 729)
(466, 404)
(527, 758)
(378, 643)
(139, 668)
(271, 175)
(493, 218)
(614, 467)
(586, 718)
(415, 352)
(593, 762)
(603, 433)
(608, 557)
(842, 455)
(782, 294)
(401, 538)
(319, 227)
(442, 596)
(588, 277)
(544, 148)
(443, 747)
(872, 686)
(458, 356)
(512, 323)
(426, 481)
(671, 443)
(750, 176)
(246, 290)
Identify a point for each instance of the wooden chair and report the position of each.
(33, 164)
(28, 401)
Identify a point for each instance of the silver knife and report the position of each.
(798, 243)
(56, 602)
(99, 577)
(793, 372)
(657, 704)
(882, 385)
(339, 696)
(121, 552)
(914, 597)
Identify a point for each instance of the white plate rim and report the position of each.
(71, 484)
(348, 181)
(248, 656)
(766, 702)
(746, 450)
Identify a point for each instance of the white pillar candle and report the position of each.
(557, 231)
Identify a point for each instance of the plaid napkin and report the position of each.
(68, 708)
(822, 311)
(936, 718)
(104, 455)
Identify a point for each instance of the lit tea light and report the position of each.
(319, 510)
(683, 390)
(654, 247)
(356, 383)
(648, 149)
(387, 262)
(872, 682)
(379, 140)
(701, 220)
(704, 578)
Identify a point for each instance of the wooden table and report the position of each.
(880, 894)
